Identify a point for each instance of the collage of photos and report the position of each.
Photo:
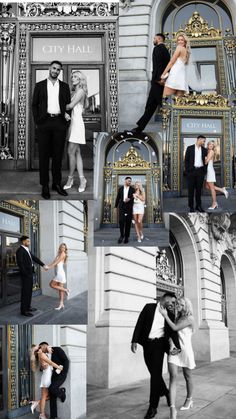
(118, 209)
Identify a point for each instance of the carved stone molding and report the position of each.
(126, 4)
(197, 27)
(202, 100)
(57, 9)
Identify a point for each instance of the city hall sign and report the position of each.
(67, 49)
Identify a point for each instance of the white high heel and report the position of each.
(67, 292)
(142, 236)
(69, 182)
(34, 404)
(213, 208)
(83, 183)
(189, 404)
(226, 193)
(60, 307)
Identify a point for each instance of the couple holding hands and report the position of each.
(25, 261)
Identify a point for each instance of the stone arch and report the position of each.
(189, 251)
(229, 271)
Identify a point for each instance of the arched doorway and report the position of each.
(228, 292)
(138, 158)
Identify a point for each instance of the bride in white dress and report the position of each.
(138, 210)
(175, 72)
(60, 278)
(211, 176)
(79, 102)
(42, 360)
(185, 358)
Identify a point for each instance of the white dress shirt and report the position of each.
(53, 97)
(125, 194)
(198, 157)
(157, 329)
(27, 250)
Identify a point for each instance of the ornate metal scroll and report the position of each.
(197, 27)
(12, 367)
(132, 159)
(230, 60)
(202, 100)
(166, 122)
(7, 43)
(166, 278)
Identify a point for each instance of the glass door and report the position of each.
(9, 273)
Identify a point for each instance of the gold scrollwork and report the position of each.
(202, 100)
(132, 159)
(197, 27)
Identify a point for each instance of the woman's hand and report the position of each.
(163, 311)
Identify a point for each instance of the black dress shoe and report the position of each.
(151, 412)
(136, 129)
(191, 209)
(120, 240)
(126, 240)
(27, 314)
(199, 209)
(59, 189)
(32, 309)
(45, 192)
(62, 394)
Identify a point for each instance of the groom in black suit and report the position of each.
(49, 107)
(55, 389)
(160, 59)
(195, 169)
(25, 260)
(152, 332)
(125, 202)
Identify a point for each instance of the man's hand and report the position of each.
(67, 117)
(127, 199)
(134, 347)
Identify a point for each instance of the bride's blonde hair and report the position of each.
(66, 251)
(140, 187)
(187, 45)
(83, 85)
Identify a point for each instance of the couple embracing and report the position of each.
(51, 106)
(53, 364)
(166, 326)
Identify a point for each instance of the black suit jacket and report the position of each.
(160, 59)
(190, 156)
(144, 324)
(60, 358)
(40, 100)
(128, 206)
(25, 263)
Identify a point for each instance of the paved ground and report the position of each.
(152, 237)
(30, 416)
(180, 204)
(25, 185)
(214, 396)
(75, 311)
